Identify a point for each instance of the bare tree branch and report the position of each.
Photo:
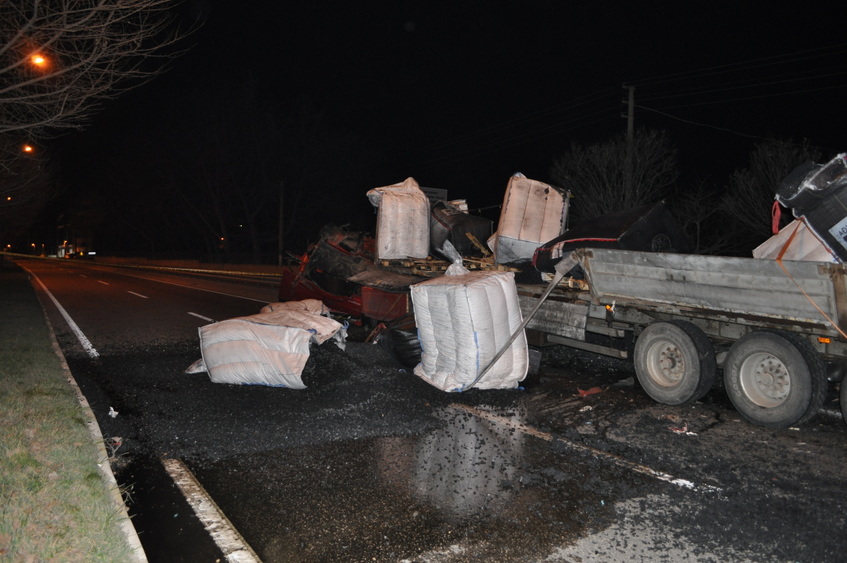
(595, 173)
(749, 195)
(60, 58)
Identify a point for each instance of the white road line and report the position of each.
(138, 295)
(80, 336)
(198, 288)
(185, 286)
(617, 460)
(201, 317)
(214, 520)
(101, 281)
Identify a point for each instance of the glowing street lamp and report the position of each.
(27, 148)
(38, 60)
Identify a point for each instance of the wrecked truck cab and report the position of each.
(323, 270)
(340, 271)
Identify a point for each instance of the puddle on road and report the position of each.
(472, 490)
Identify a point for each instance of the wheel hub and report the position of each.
(765, 380)
(668, 365)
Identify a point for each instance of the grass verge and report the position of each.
(54, 502)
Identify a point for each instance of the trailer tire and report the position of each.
(774, 379)
(844, 399)
(674, 362)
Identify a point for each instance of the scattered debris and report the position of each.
(114, 444)
(587, 392)
(682, 430)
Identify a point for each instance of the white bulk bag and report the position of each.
(243, 352)
(463, 322)
(533, 213)
(270, 348)
(402, 221)
(795, 241)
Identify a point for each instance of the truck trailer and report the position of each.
(775, 327)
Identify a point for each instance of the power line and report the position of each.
(550, 121)
(748, 85)
(701, 124)
(762, 62)
(757, 96)
(723, 129)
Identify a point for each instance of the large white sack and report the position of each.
(463, 322)
(243, 352)
(795, 241)
(533, 213)
(402, 221)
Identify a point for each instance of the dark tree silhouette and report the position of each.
(596, 174)
(748, 199)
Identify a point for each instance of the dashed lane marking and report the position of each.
(230, 542)
(138, 295)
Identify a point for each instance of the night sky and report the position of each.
(460, 95)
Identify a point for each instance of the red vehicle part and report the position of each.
(340, 271)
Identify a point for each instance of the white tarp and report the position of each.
(463, 322)
(402, 221)
(795, 241)
(270, 348)
(533, 213)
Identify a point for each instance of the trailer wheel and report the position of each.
(674, 362)
(775, 379)
(844, 399)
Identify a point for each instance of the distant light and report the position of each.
(38, 60)
(27, 148)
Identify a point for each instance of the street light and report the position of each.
(38, 60)
(27, 148)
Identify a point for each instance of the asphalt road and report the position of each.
(370, 463)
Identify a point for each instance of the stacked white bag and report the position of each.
(402, 221)
(533, 213)
(463, 322)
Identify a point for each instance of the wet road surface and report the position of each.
(370, 463)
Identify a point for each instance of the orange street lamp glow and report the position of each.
(38, 60)
(28, 148)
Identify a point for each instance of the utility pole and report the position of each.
(281, 236)
(630, 195)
